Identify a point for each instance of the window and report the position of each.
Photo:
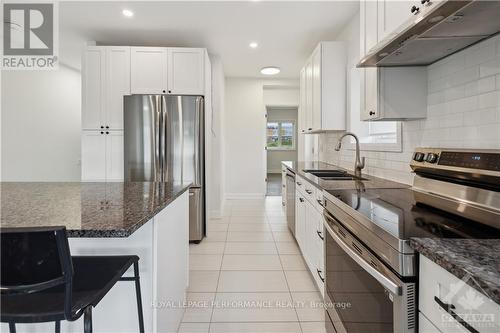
(281, 135)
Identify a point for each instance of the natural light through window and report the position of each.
(281, 135)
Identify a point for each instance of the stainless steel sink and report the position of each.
(333, 175)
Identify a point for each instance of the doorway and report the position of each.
(281, 144)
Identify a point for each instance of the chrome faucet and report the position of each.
(359, 164)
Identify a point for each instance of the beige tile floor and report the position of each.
(249, 276)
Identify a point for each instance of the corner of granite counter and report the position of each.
(477, 258)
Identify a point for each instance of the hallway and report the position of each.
(274, 184)
(248, 275)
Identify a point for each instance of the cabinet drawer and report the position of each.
(439, 288)
(300, 184)
(310, 192)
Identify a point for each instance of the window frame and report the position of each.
(294, 136)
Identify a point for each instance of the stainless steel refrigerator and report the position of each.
(164, 141)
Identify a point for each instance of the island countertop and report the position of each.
(114, 209)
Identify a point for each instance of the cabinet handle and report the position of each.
(102, 132)
(372, 113)
(320, 202)
(310, 129)
(449, 308)
(414, 10)
(320, 276)
(283, 185)
(107, 127)
(164, 91)
(301, 199)
(299, 183)
(107, 132)
(308, 191)
(102, 126)
(320, 235)
(170, 91)
(423, 2)
(303, 131)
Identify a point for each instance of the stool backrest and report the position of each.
(35, 259)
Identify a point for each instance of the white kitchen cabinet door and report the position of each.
(302, 102)
(148, 73)
(316, 89)
(117, 84)
(93, 156)
(370, 30)
(300, 220)
(114, 156)
(391, 15)
(186, 71)
(370, 89)
(309, 96)
(93, 87)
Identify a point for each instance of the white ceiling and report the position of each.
(286, 31)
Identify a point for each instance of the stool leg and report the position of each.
(87, 320)
(12, 328)
(138, 295)
(58, 326)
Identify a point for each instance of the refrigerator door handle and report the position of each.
(199, 143)
(154, 101)
(163, 139)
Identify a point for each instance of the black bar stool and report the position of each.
(41, 282)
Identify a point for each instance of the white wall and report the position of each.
(215, 172)
(463, 111)
(275, 157)
(244, 131)
(41, 125)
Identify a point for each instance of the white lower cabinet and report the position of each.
(102, 156)
(309, 232)
(440, 290)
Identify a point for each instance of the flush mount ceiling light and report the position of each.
(127, 13)
(253, 45)
(271, 70)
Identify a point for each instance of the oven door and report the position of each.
(363, 294)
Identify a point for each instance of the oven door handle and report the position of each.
(388, 284)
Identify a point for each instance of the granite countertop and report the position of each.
(369, 182)
(466, 257)
(86, 209)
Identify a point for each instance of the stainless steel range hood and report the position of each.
(430, 36)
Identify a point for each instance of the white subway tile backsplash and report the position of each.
(463, 111)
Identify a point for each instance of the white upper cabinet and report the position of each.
(323, 86)
(391, 15)
(186, 71)
(398, 93)
(117, 84)
(302, 101)
(309, 96)
(106, 79)
(93, 87)
(148, 73)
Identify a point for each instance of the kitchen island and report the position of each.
(150, 220)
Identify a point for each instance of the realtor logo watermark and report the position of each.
(30, 36)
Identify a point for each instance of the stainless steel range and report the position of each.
(371, 271)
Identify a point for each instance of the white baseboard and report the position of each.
(242, 196)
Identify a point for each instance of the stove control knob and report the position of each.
(418, 157)
(432, 158)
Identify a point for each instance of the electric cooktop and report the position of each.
(399, 213)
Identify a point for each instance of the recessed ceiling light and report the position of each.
(127, 13)
(270, 70)
(253, 45)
